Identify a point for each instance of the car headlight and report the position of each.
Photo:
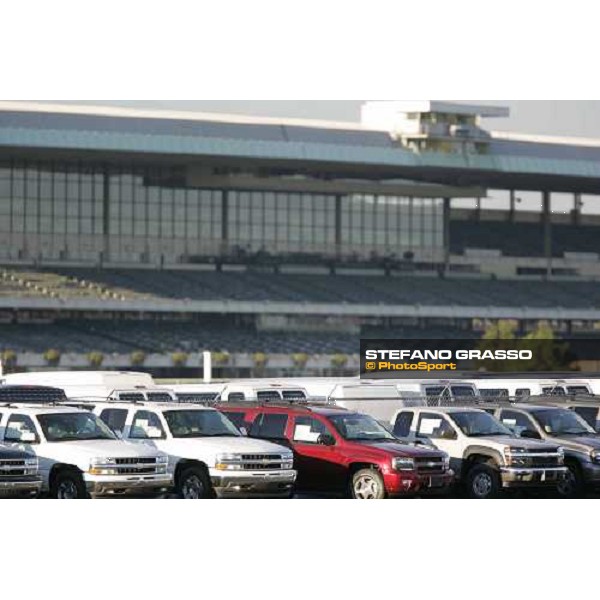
(446, 462)
(561, 455)
(162, 459)
(402, 463)
(513, 456)
(228, 462)
(31, 462)
(103, 466)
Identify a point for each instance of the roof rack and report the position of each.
(31, 394)
(303, 403)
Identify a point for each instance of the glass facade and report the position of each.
(83, 211)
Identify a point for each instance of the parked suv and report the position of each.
(587, 407)
(340, 451)
(79, 455)
(19, 474)
(207, 454)
(559, 425)
(485, 454)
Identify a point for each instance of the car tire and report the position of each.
(193, 483)
(68, 484)
(483, 481)
(574, 485)
(367, 484)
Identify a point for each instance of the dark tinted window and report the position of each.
(267, 396)
(236, 397)
(494, 393)
(521, 392)
(269, 425)
(575, 390)
(588, 413)
(463, 391)
(293, 394)
(131, 397)
(402, 424)
(237, 418)
(115, 418)
(159, 397)
(554, 391)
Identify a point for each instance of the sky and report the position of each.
(577, 118)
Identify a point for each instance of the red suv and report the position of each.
(339, 451)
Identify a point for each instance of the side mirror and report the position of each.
(326, 439)
(447, 434)
(529, 433)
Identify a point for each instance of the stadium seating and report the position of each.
(260, 286)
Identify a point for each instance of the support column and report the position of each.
(338, 226)
(576, 214)
(224, 220)
(105, 215)
(446, 229)
(547, 224)
(512, 208)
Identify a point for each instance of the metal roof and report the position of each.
(334, 149)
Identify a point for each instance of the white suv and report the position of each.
(79, 455)
(484, 454)
(207, 454)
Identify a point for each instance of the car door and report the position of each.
(319, 466)
(146, 428)
(21, 432)
(518, 422)
(437, 429)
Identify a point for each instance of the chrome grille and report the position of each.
(429, 464)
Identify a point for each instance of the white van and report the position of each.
(492, 387)
(116, 385)
(379, 400)
(261, 392)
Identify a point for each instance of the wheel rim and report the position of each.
(67, 490)
(567, 486)
(366, 487)
(192, 488)
(482, 485)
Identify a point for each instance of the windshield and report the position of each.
(199, 423)
(68, 427)
(560, 421)
(478, 424)
(360, 427)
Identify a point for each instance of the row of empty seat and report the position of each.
(339, 289)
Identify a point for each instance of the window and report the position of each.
(74, 426)
(517, 422)
(402, 425)
(236, 397)
(268, 395)
(115, 418)
(199, 423)
(556, 390)
(575, 390)
(20, 428)
(588, 413)
(433, 426)
(494, 393)
(269, 426)
(146, 425)
(237, 418)
(522, 392)
(308, 429)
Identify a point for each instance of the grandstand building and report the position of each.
(143, 237)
